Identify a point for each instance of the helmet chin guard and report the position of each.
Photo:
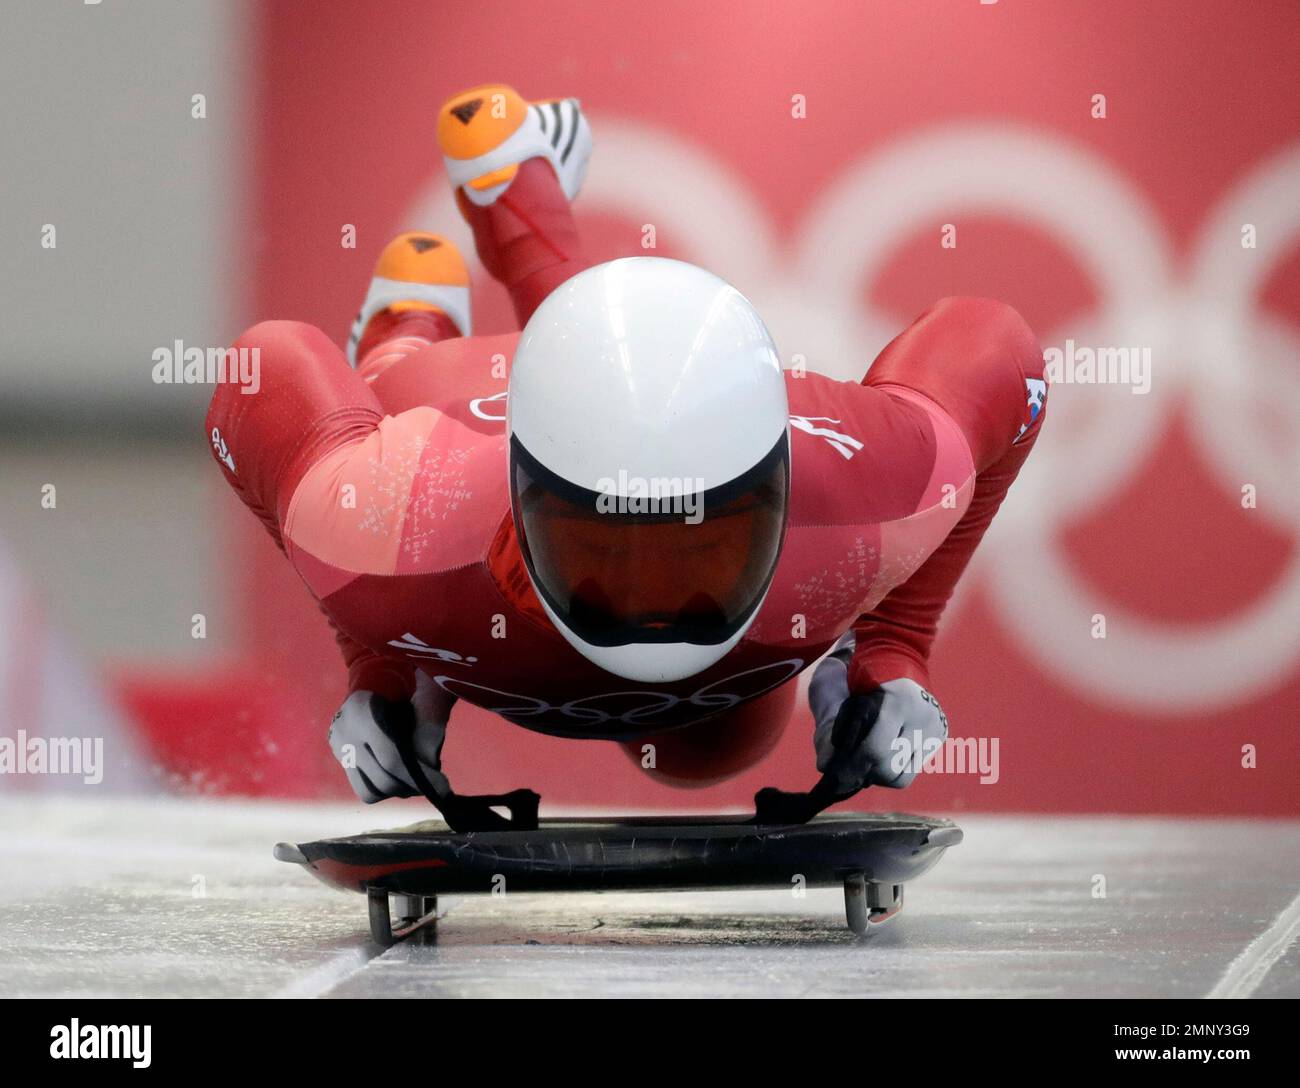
(649, 465)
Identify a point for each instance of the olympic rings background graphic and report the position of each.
(1214, 351)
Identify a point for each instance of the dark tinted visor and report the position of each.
(659, 564)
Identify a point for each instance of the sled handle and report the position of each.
(774, 806)
(464, 812)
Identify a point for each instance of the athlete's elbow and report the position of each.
(281, 336)
(997, 322)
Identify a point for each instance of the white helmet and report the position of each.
(649, 464)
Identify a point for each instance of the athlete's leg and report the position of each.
(515, 167)
(527, 239)
(721, 747)
(309, 405)
(419, 297)
(392, 337)
(309, 399)
(307, 402)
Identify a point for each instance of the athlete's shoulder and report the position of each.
(979, 359)
(809, 391)
(832, 420)
(864, 455)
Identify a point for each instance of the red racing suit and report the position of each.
(386, 488)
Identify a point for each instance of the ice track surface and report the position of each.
(183, 898)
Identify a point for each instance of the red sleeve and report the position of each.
(979, 361)
(368, 671)
(303, 402)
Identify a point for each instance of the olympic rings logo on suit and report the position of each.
(589, 711)
(1214, 351)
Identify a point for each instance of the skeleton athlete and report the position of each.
(626, 521)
